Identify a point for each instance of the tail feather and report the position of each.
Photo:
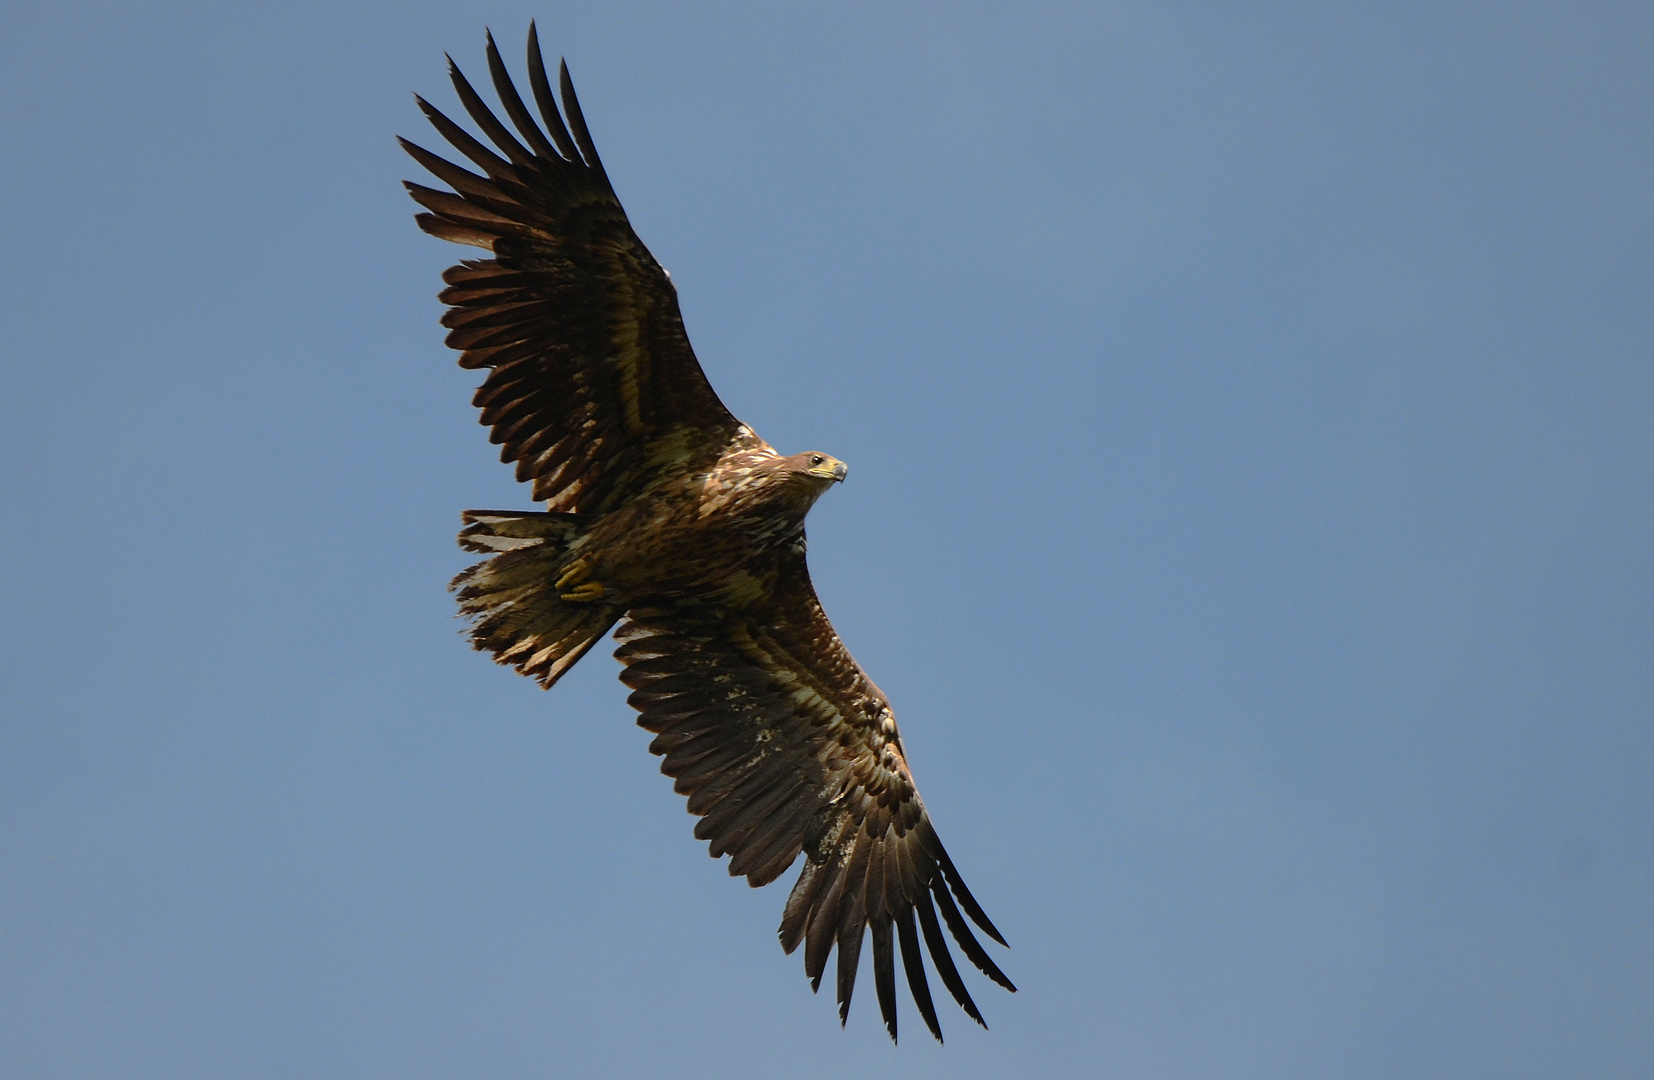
(511, 599)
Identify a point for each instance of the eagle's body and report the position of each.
(705, 535)
(668, 516)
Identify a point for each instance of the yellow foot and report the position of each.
(590, 590)
(576, 572)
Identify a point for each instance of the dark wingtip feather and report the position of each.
(849, 959)
(823, 924)
(942, 958)
(961, 931)
(486, 120)
(577, 119)
(795, 915)
(966, 900)
(884, 974)
(513, 103)
(485, 159)
(914, 964)
(547, 104)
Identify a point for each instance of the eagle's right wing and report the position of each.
(783, 744)
(593, 389)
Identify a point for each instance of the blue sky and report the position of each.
(1248, 411)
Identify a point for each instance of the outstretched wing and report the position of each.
(783, 744)
(594, 390)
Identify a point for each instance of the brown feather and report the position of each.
(513, 104)
(914, 964)
(884, 972)
(491, 126)
(542, 97)
(800, 902)
(962, 934)
(824, 925)
(939, 955)
(852, 924)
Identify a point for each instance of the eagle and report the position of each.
(671, 518)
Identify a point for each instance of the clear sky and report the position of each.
(1250, 420)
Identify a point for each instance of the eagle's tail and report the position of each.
(517, 609)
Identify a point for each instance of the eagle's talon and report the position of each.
(579, 570)
(589, 590)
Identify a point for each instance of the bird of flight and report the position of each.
(670, 517)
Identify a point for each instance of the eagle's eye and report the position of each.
(816, 459)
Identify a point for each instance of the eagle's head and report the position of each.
(796, 482)
(772, 493)
(818, 468)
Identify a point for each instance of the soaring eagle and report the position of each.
(669, 516)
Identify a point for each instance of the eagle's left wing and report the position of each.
(592, 388)
(783, 744)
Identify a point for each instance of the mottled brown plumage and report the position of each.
(669, 516)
